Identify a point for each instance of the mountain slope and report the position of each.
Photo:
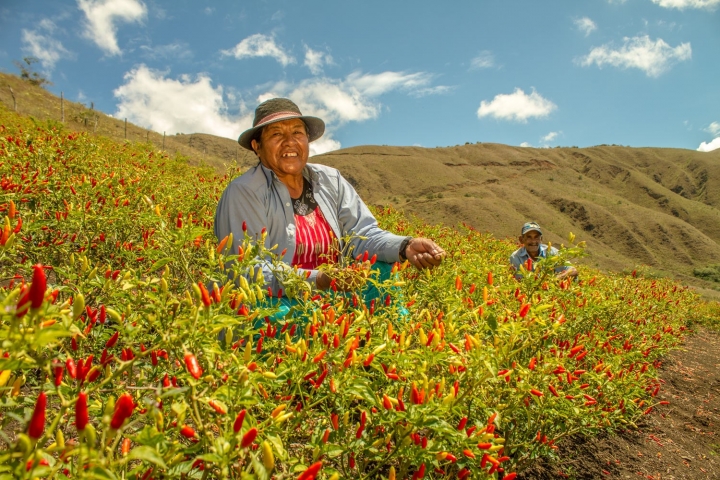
(653, 206)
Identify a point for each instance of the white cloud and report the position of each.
(260, 45)
(585, 25)
(517, 106)
(484, 59)
(324, 144)
(44, 47)
(652, 57)
(525, 145)
(174, 51)
(209, 10)
(709, 146)
(683, 4)
(186, 105)
(714, 129)
(550, 137)
(101, 17)
(315, 60)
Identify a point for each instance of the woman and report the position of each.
(305, 206)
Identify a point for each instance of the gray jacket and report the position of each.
(260, 199)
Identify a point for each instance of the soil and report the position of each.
(677, 441)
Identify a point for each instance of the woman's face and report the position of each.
(283, 147)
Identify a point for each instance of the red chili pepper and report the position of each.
(123, 410)
(552, 390)
(248, 438)
(37, 421)
(112, 340)
(204, 295)
(187, 431)
(71, 368)
(38, 286)
(166, 381)
(537, 393)
(58, 371)
(511, 476)
(193, 366)
(463, 422)
(458, 283)
(81, 412)
(103, 314)
(490, 278)
(311, 472)
(239, 421)
(524, 310)
(533, 362)
(217, 407)
(154, 358)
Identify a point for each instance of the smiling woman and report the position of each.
(305, 208)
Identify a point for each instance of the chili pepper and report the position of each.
(311, 472)
(154, 358)
(537, 393)
(166, 381)
(484, 445)
(193, 366)
(112, 340)
(37, 421)
(187, 431)
(510, 476)
(490, 278)
(239, 421)
(463, 474)
(81, 412)
(204, 295)
(420, 472)
(524, 309)
(58, 371)
(123, 410)
(38, 286)
(463, 422)
(248, 438)
(553, 391)
(334, 420)
(468, 453)
(217, 407)
(125, 447)
(319, 356)
(533, 362)
(458, 283)
(103, 314)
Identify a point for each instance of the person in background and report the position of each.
(533, 248)
(304, 207)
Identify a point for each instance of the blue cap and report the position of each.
(530, 226)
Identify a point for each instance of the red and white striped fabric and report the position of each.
(312, 241)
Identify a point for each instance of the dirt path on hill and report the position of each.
(677, 441)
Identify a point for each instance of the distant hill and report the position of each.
(658, 207)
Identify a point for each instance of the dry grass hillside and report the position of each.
(658, 207)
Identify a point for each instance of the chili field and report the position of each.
(135, 345)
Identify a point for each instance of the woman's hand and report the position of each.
(424, 253)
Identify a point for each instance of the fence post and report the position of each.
(14, 99)
(62, 107)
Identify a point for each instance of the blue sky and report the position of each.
(428, 73)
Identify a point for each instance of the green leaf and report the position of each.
(160, 263)
(146, 454)
(492, 322)
(259, 468)
(49, 335)
(278, 446)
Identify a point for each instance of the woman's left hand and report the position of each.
(424, 253)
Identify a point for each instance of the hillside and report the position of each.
(658, 207)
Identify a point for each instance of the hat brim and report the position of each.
(532, 230)
(315, 129)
